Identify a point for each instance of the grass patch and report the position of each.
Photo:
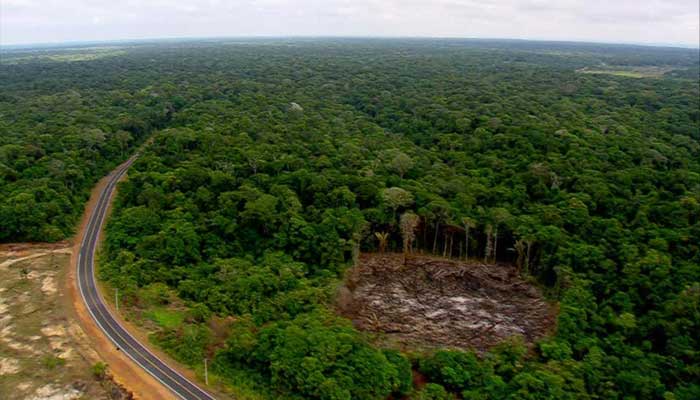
(52, 362)
(243, 384)
(166, 318)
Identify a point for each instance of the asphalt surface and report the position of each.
(179, 385)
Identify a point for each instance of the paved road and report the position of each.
(178, 384)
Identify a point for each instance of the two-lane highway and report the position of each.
(87, 285)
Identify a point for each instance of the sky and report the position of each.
(670, 22)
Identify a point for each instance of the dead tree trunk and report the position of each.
(452, 243)
(437, 229)
(527, 255)
(495, 244)
(489, 243)
(466, 242)
(520, 248)
(444, 246)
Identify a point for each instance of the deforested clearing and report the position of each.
(44, 354)
(430, 302)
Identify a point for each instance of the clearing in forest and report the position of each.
(43, 352)
(430, 302)
(628, 71)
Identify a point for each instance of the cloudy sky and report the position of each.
(627, 21)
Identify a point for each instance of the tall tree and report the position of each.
(409, 223)
(467, 223)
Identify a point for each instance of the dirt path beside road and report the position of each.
(123, 369)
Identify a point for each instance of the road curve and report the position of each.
(178, 384)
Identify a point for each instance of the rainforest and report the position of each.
(379, 218)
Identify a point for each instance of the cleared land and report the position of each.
(68, 55)
(430, 302)
(628, 72)
(43, 352)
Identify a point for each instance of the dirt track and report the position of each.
(432, 302)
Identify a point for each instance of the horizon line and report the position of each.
(687, 46)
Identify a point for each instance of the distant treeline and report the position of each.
(275, 162)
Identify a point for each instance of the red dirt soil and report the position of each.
(430, 302)
(123, 370)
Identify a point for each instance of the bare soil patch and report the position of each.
(430, 302)
(43, 355)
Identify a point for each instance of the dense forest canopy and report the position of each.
(274, 162)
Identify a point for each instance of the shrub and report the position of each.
(433, 391)
(99, 370)
(454, 369)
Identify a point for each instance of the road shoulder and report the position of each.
(124, 371)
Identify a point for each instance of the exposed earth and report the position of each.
(44, 353)
(430, 302)
(48, 339)
(122, 370)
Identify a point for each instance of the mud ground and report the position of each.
(430, 302)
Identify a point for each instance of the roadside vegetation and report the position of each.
(275, 167)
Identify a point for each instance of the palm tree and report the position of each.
(383, 238)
